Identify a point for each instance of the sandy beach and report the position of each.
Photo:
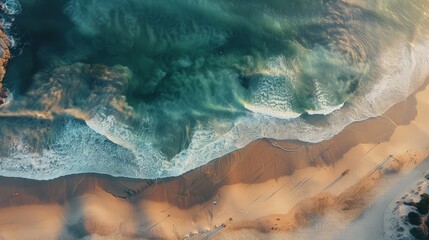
(267, 190)
(170, 119)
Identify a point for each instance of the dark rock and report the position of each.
(417, 233)
(3, 94)
(423, 205)
(414, 218)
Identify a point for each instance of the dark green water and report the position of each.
(156, 88)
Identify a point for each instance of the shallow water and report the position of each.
(150, 89)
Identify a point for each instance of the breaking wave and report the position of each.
(151, 89)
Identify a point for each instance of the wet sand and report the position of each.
(269, 189)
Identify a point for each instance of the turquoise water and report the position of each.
(152, 89)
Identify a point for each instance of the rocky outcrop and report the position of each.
(4, 58)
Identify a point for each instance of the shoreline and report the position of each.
(247, 190)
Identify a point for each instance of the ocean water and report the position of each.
(152, 89)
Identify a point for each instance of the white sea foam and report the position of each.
(282, 114)
(12, 7)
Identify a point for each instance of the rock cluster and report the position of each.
(4, 58)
